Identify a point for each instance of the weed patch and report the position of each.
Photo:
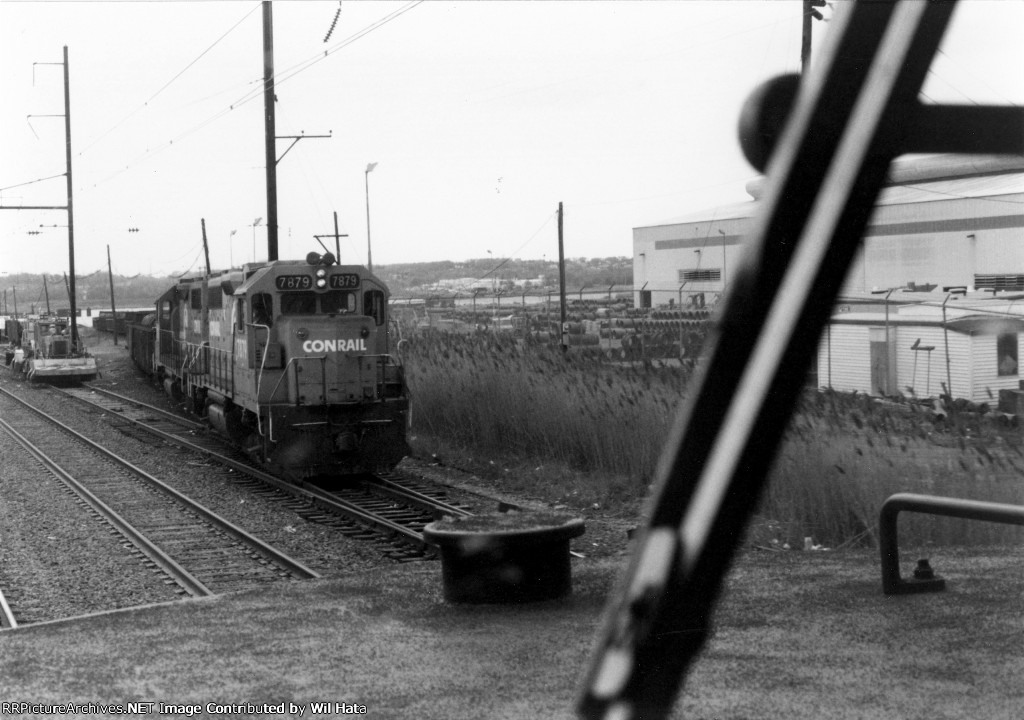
(576, 429)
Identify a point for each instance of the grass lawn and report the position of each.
(799, 635)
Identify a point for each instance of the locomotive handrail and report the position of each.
(259, 375)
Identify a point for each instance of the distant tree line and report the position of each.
(404, 278)
(93, 290)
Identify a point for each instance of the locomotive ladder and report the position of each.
(857, 111)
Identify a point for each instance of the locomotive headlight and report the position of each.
(364, 332)
(302, 333)
(321, 283)
(321, 273)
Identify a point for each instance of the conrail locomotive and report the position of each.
(291, 360)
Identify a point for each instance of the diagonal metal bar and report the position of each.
(850, 120)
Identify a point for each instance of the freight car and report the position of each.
(291, 360)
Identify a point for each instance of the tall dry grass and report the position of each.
(575, 427)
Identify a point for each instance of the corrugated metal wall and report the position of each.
(844, 362)
(846, 358)
(961, 362)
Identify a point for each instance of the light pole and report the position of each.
(231, 248)
(369, 248)
(255, 223)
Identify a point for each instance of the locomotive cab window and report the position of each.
(338, 301)
(263, 309)
(214, 298)
(298, 304)
(374, 305)
(240, 315)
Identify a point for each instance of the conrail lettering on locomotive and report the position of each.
(338, 345)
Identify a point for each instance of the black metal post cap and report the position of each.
(763, 116)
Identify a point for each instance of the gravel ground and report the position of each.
(58, 560)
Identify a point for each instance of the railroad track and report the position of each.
(197, 550)
(388, 510)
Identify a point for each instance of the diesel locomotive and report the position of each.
(291, 360)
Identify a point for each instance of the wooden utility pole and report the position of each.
(204, 313)
(206, 247)
(75, 344)
(71, 218)
(337, 239)
(809, 13)
(270, 129)
(805, 38)
(113, 306)
(46, 291)
(563, 325)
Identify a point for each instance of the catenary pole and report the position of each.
(113, 306)
(76, 347)
(270, 129)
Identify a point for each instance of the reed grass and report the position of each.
(574, 428)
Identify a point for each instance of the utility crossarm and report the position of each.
(295, 139)
(827, 142)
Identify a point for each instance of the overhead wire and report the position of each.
(279, 79)
(30, 182)
(169, 82)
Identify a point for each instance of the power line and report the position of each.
(169, 82)
(30, 182)
(258, 92)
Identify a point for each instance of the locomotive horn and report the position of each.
(328, 259)
(313, 258)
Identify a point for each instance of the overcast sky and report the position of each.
(482, 117)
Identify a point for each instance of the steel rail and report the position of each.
(284, 561)
(301, 488)
(386, 486)
(151, 408)
(353, 510)
(165, 562)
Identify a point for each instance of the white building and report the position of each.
(948, 220)
(972, 346)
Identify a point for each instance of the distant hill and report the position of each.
(404, 280)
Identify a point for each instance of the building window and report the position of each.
(695, 275)
(1006, 353)
(999, 282)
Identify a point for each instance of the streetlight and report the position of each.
(231, 248)
(369, 250)
(255, 223)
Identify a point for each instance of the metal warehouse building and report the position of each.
(947, 220)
